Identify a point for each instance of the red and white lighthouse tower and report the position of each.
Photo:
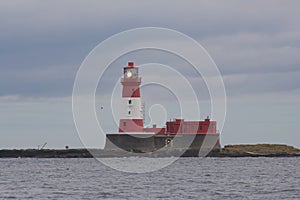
(132, 115)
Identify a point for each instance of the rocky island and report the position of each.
(256, 150)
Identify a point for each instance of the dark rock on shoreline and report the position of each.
(45, 153)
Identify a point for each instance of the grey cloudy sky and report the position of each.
(256, 45)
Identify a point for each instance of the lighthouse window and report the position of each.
(129, 102)
(124, 123)
(129, 112)
(200, 128)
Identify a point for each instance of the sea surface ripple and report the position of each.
(187, 178)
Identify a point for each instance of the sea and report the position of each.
(186, 178)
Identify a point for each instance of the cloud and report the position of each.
(257, 84)
(195, 17)
(43, 43)
(37, 81)
(255, 53)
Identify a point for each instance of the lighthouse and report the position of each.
(132, 114)
(133, 137)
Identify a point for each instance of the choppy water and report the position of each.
(187, 178)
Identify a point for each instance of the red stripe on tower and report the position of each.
(131, 125)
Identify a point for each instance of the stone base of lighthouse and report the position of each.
(161, 145)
